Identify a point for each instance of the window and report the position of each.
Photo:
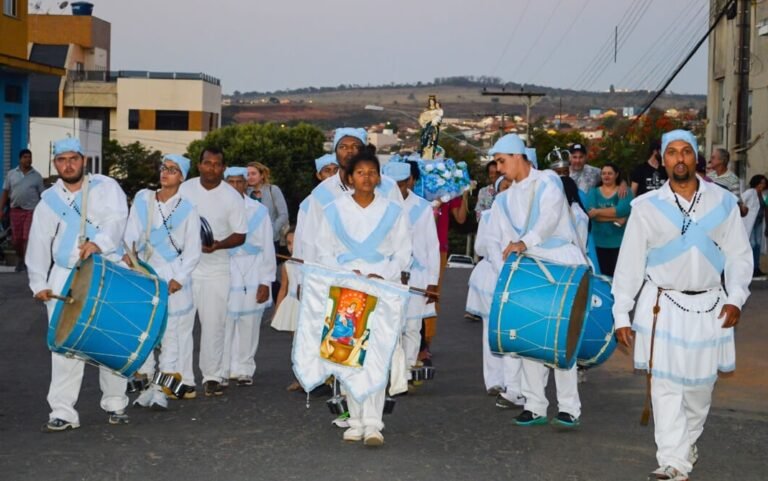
(11, 8)
(133, 119)
(172, 120)
(721, 115)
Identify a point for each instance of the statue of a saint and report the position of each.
(430, 121)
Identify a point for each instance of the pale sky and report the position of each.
(270, 45)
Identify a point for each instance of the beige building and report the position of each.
(723, 89)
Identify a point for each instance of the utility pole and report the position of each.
(529, 96)
(742, 88)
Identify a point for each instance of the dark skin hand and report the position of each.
(624, 336)
(262, 293)
(233, 240)
(431, 298)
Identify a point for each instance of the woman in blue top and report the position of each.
(609, 215)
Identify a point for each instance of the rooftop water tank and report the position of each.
(82, 8)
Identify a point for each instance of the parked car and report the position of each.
(461, 261)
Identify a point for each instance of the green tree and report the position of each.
(134, 166)
(288, 151)
(545, 141)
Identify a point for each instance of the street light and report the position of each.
(462, 142)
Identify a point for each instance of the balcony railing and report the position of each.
(113, 75)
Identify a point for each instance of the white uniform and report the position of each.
(424, 270)
(53, 237)
(251, 265)
(311, 210)
(167, 237)
(538, 200)
(382, 245)
(224, 210)
(498, 371)
(690, 345)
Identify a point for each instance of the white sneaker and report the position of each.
(159, 401)
(667, 473)
(341, 421)
(373, 437)
(693, 455)
(145, 398)
(353, 434)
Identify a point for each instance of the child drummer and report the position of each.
(165, 231)
(57, 236)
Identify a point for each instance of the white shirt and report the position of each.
(311, 212)
(249, 269)
(648, 228)
(107, 210)
(426, 246)
(515, 206)
(185, 234)
(224, 210)
(359, 222)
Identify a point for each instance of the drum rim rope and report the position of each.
(593, 360)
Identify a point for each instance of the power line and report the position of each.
(521, 63)
(561, 40)
(511, 37)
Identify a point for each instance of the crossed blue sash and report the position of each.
(697, 234)
(367, 249)
(417, 210)
(550, 243)
(69, 214)
(323, 195)
(254, 222)
(159, 238)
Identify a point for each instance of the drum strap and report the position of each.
(84, 211)
(646, 416)
(148, 230)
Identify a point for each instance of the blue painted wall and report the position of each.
(19, 114)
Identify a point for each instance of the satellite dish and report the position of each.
(63, 5)
(37, 6)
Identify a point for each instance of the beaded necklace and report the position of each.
(168, 227)
(687, 220)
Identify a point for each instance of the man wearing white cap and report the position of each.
(347, 142)
(326, 166)
(223, 209)
(164, 230)
(252, 271)
(679, 241)
(516, 226)
(424, 270)
(59, 236)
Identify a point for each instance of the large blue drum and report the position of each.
(115, 319)
(599, 341)
(538, 310)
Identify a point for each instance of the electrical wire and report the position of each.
(561, 40)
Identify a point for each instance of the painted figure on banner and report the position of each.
(345, 333)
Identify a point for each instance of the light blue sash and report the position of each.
(159, 238)
(322, 195)
(697, 234)
(69, 214)
(253, 223)
(367, 249)
(417, 210)
(550, 243)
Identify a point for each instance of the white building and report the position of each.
(44, 131)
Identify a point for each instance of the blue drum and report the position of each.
(538, 310)
(599, 341)
(115, 316)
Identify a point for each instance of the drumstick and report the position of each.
(415, 290)
(64, 299)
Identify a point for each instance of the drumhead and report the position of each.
(578, 315)
(81, 284)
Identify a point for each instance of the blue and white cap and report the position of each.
(342, 132)
(530, 154)
(397, 170)
(236, 171)
(67, 145)
(679, 134)
(509, 144)
(324, 160)
(181, 161)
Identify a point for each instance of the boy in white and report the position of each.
(532, 216)
(165, 231)
(224, 210)
(252, 271)
(680, 240)
(425, 263)
(59, 235)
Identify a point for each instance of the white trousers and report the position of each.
(210, 296)
(535, 379)
(368, 413)
(67, 373)
(240, 344)
(171, 358)
(501, 371)
(411, 342)
(679, 413)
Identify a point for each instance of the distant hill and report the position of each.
(460, 97)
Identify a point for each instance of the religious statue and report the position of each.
(430, 121)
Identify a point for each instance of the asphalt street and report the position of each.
(448, 430)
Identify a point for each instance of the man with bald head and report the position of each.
(679, 242)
